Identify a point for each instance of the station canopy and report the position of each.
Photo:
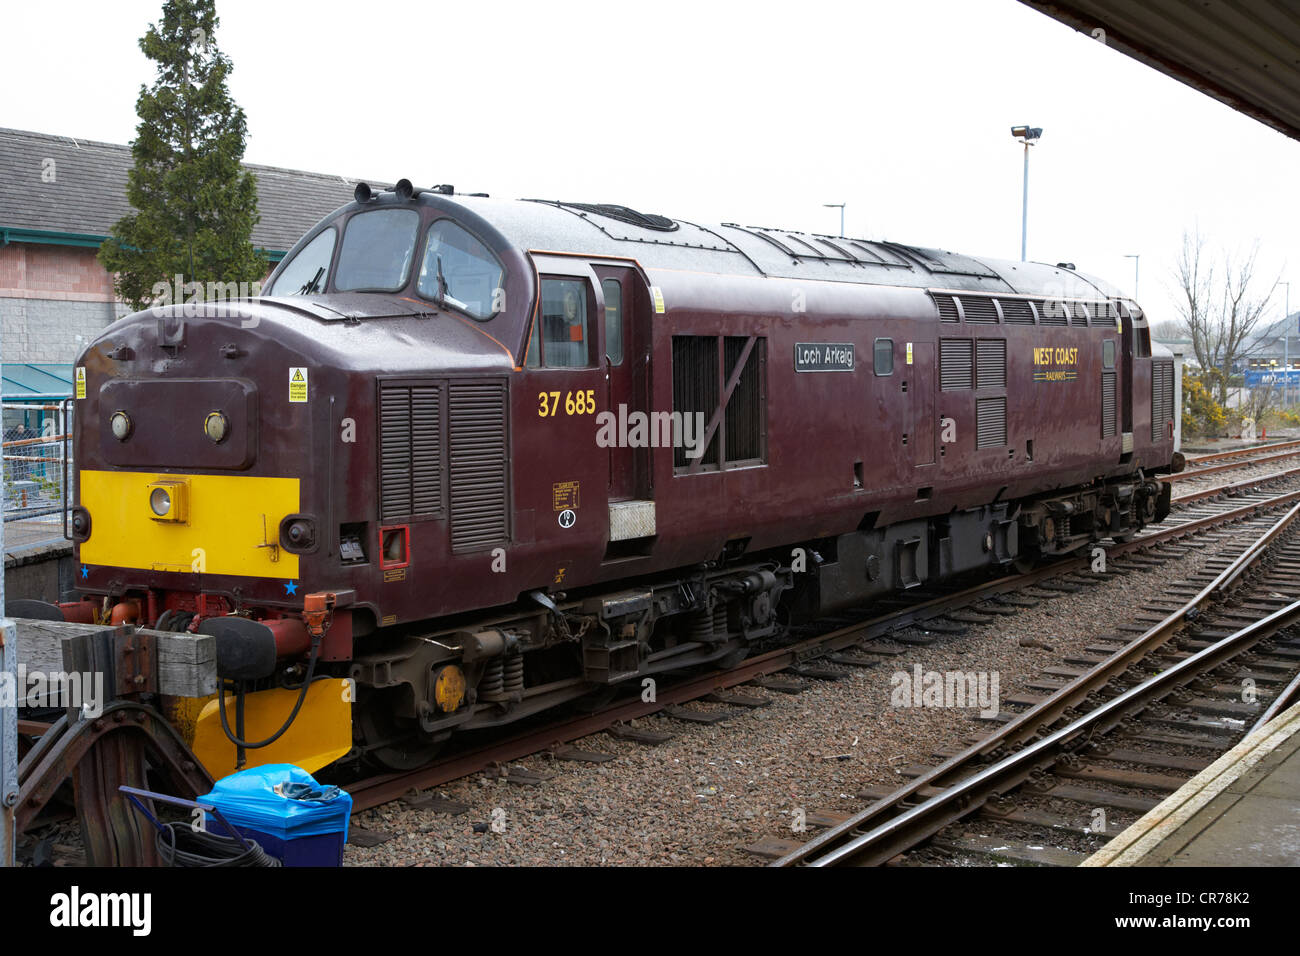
(25, 382)
(1245, 53)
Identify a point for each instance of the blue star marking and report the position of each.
(85, 571)
(291, 587)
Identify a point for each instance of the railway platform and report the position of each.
(1242, 810)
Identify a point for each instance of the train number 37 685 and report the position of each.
(575, 403)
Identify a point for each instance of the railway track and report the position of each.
(1265, 448)
(1111, 733)
(1202, 468)
(805, 654)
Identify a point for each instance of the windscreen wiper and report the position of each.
(312, 285)
(442, 284)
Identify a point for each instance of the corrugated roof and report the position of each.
(1245, 53)
(88, 192)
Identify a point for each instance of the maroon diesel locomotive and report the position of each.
(481, 457)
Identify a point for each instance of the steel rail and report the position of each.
(1036, 721)
(1236, 486)
(1237, 453)
(1233, 466)
(1288, 696)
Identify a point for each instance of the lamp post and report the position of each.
(1286, 348)
(1027, 135)
(1137, 258)
(840, 207)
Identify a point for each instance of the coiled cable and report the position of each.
(179, 844)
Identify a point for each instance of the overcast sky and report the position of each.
(749, 112)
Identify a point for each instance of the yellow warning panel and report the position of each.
(297, 385)
(231, 524)
(319, 735)
(81, 381)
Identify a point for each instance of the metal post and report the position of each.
(1137, 259)
(1024, 207)
(1286, 349)
(8, 727)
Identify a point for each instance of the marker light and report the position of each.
(216, 426)
(121, 424)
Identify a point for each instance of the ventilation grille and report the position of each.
(990, 422)
(1108, 404)
(1162, 399)
(744, 427)
(954, 364)
(946, 306)
(477, 418)
(1079, 313)
(1017, 312)
(979, 311)
(991, 363)
(410, 451)
(1052, 312)
(695, 388)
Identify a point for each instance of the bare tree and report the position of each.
(1219, 305)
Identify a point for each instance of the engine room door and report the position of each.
(920, 379)
(627, 374)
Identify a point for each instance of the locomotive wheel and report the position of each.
(1024, 563)
(391, 742)
(732, 658)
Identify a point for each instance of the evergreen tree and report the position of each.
(195, 206)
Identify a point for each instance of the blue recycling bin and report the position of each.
(282, 807)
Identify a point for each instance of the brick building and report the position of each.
(59, 197)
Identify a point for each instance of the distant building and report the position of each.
(1273, 355)
(59, 198)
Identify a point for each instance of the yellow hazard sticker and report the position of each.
(81, 381)
(297, 385)
(909, 353)
(657, 294)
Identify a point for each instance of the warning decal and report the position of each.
(297, 385)
(81, 381)
(657, 294)
(565, 495)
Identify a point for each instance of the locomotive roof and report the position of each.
(658, 242)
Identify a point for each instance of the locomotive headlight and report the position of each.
(160, 500)
(121, 425)
(216, 426)
(169, 500)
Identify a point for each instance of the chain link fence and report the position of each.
(37, 437)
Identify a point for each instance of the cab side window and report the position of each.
(561, 338)
(613, 293)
